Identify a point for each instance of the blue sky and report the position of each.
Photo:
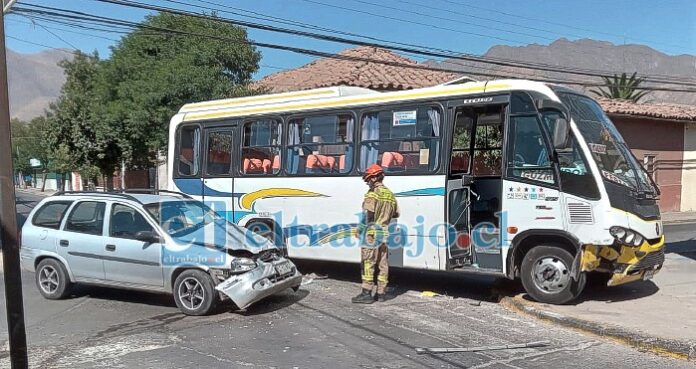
(470, 26)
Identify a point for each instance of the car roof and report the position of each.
(137, 196)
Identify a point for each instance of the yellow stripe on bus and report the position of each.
(245, 100)
(357, 100)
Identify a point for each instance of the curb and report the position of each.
(666, 347)
(681, 221)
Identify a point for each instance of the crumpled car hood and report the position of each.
(223, 234)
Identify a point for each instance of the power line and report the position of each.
(453, 53)
(74, 15)
(139, 5)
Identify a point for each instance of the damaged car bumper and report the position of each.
(626, 263)
(266, 279)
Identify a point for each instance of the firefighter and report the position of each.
(379, 208)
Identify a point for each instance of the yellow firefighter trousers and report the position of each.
(371, 258)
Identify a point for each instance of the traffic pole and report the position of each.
(8, 222)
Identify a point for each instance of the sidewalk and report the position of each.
(679, 217)
(35, 191)
(657, 315)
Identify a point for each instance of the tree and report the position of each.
(21, 148)
(150, 75)
(622, 88)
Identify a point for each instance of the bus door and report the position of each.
(218, 169)
(474, 188)
(187, 169)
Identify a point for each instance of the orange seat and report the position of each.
(256, 166)
(324, 162)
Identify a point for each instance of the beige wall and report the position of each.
(688, 193)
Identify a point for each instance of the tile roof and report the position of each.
(333, 72)
(649, 110)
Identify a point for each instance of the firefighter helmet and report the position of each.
(372, 171)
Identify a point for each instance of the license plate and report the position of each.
(283, 268)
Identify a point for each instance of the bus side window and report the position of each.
(528, 156)
(488, 144)
(189, 151)
(218, 160)
(320, 144)
(403, 140)
(261, 147)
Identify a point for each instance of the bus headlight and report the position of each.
(626, 236)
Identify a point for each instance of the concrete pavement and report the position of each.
(659, 315)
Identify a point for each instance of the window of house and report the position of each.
(650, 163)
(51, 214)
(219, 155)
(401, 140)
(320, 144)
(126, 222)
(87, 217)
(261, 147)
(529, 155)
(189, 150)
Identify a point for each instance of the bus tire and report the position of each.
(546, 275)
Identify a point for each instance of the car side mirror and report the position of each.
(148, 237)
(561, 134)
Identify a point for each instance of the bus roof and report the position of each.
(342, 97)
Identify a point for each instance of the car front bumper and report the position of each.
(626, 263)
(247, 288)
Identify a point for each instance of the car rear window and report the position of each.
(51, 214)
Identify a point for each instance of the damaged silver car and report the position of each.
(163, 242)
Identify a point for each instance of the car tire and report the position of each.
(194, 293)
(52, 279)
(546, 275)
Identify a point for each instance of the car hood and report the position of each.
(223, 234)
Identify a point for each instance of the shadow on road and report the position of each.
(130, 296)
(686, 248)
(271, 303)
(457, 285)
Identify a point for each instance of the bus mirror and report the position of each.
(561, 134)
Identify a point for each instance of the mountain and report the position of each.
(34, 81)
(593, 55)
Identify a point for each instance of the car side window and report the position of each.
(87, 217)
(51, 214)
(126, 222)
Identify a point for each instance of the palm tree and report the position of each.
(622, 88)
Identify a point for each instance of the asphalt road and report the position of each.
(317, 327)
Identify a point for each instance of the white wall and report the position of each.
(688, 192)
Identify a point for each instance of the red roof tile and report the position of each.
(333, 72)
(648, 110)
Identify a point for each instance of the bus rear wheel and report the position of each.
(546, 275)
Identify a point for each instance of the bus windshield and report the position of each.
(611, 153)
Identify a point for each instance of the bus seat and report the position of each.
(392, 161)
(317, 163)
(276, 163)
(256, 166)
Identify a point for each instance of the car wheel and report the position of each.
(546, 275)
(194, 292)
(52, 279)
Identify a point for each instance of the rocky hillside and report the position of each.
(594, 55)
(34, 81)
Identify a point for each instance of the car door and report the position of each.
(127, 259)
(81, 241)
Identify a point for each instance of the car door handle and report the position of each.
(64, 243)
(110, 247)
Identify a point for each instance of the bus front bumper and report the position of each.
(625, 263)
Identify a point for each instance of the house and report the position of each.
(661, 136)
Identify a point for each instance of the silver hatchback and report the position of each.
(153, 242)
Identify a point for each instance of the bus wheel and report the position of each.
(546, 275)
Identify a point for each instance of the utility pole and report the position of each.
(8, 219)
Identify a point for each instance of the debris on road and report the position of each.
(445, 350)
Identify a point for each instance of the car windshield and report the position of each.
(611, 153)
(182, 217)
